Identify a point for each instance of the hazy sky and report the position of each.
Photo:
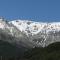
(38, 10)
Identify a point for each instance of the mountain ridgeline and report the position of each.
(23, 39)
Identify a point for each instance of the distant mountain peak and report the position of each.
(35, 27)
(31, 27)
(35, 33)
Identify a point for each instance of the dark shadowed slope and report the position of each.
(51, 52)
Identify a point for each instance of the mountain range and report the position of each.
(29, 34)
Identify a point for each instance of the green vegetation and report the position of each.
(8, 52)
(51, 52)
(7, 49)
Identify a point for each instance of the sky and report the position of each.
(36, 10)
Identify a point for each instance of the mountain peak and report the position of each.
(31, 27)
(37, 33)
(35, 27)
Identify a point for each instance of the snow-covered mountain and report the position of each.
(31, 27)
(32, 33)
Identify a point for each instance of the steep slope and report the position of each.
(39, 32)
(30, 33)
(10, 32)
(12, 46)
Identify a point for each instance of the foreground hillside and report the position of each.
(51, 52)
(9, 52)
